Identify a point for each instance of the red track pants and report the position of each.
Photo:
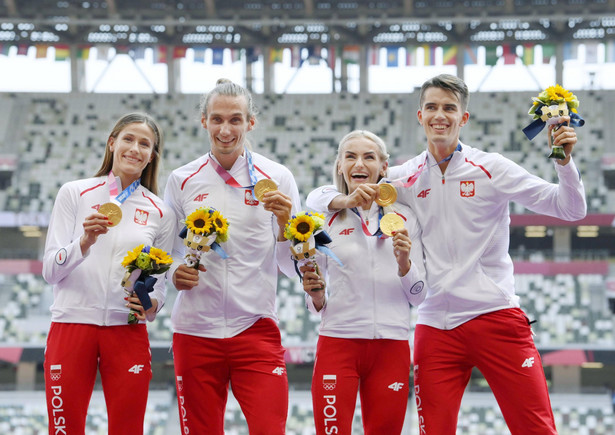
(379, 369)
(73, 355)
(500, 345)
(253, 363)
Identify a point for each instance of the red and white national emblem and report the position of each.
(249, 198)
(180, 383)
(329, 382)
(141, 217)
(466, 189)
(55, 372)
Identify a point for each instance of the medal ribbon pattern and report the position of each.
(113, 189)
(229, 179)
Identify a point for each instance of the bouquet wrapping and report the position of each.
(206, 228)
(140, 264)
(547, 109)
(306, 233)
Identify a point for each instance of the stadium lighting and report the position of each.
(587, 231)
(535, 231)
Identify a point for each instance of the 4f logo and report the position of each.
(136, 369)
(529, 362)
(346, 232)
(201, 197)
(396, 386)
(278, 371)
(423, 193)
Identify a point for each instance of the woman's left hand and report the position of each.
(134, 304)
(401, 249)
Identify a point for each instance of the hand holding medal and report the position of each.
(387, 194)
(263, 186)
(112, 211)
(112, 208)
(390, 223)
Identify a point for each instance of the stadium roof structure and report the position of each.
(245, 23)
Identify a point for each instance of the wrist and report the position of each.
(564, 162)
(402, 270)
(319, 303)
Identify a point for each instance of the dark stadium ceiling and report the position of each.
(245, 23)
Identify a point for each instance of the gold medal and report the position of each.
(387, 194)
(263, 186)
(112, 211)
(391, 222)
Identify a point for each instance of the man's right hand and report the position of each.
(185, 277)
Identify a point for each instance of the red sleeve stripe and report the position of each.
(153, 203)
(479, 166)
(193, 174)
(261, 171)
(333, 217)
(92, 188)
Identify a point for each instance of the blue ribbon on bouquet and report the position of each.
(538, 124)
(321, 239)
(143, 287)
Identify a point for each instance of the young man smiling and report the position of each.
(224, 319)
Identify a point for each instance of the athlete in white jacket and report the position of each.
(471, 315)
(363, 336)
(224, 319)
(83, 256)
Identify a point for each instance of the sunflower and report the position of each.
(159, 256)
(554, 95)
(199, 221)
(299, 228)
(219, 222)
(131, 256)
(557, 94)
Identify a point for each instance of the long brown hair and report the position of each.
(149, 176)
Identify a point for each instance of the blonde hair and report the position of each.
(338, 178)
(149, 176)
(230, 89)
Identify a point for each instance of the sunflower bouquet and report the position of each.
(206, 228)
(140, 264)
(547, 109)
(300, 231)
(306, 234)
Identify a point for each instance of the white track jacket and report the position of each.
(366, 298)
(87, 288)
(464, 218)
(235, 292)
